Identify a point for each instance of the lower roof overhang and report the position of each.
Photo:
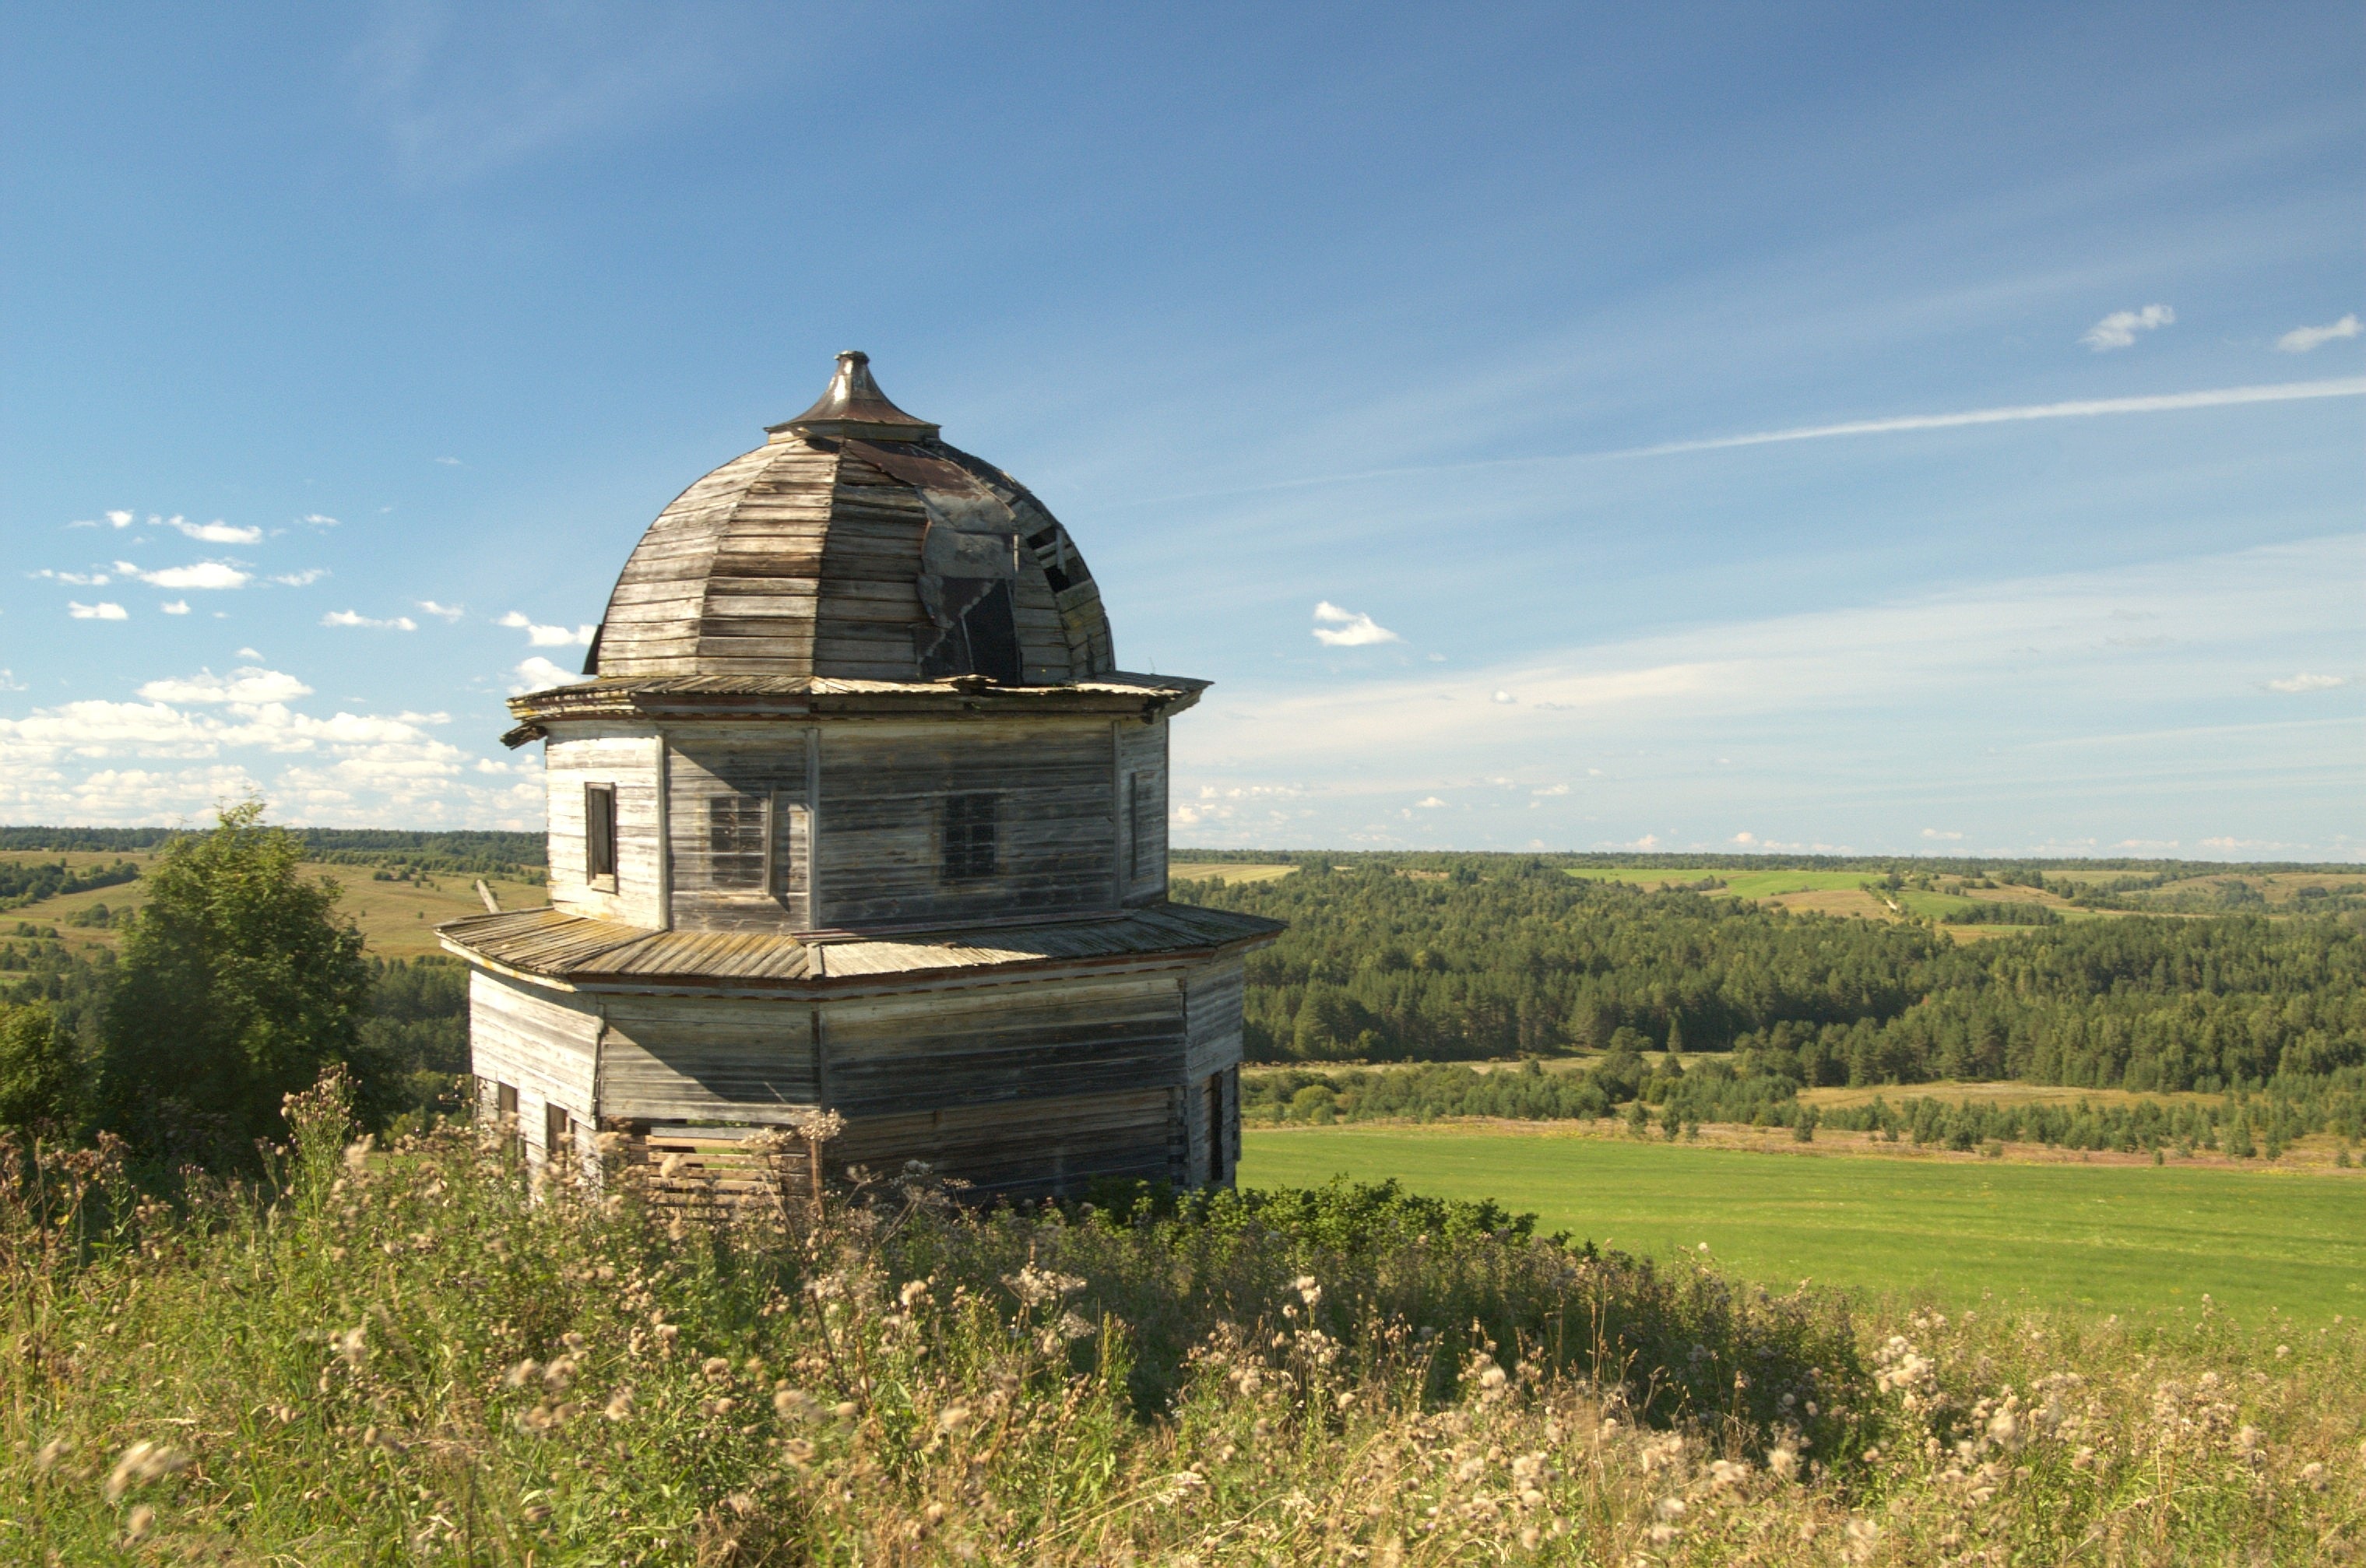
(552, 948)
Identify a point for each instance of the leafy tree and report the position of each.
(41, 1082)
(237, 985)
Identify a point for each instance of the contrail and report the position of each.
(2223, 397)
(2092, 408)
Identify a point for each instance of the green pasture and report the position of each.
(2100, 1237)
(1738, 883)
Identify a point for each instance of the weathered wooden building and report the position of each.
(858, 813)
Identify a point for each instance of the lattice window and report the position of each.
(738, 838)
(969, 836)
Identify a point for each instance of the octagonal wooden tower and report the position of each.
(858, 813)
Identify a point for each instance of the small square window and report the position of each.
(969, 836)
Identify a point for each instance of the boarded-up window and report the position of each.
(792, 845)
(737, 836)
(1141, 825)
(600, 834)
(506, 1107)
(969, 836)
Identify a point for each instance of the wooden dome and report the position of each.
(854, 545)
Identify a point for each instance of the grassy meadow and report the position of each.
(2101, 1238)
(417, 1356)
(397, 919)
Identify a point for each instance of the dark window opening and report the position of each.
(600, 832)
(969, 836)
(557, 1130)
(737, 838)
(1216, 1127)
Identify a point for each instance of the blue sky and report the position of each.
(1387, 365)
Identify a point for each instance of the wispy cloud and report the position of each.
(2300, 340)
(318, 520)
(207, 574)
(98, 612)
(1335, 627)
(355, 618)
(444, 612)
(2306, 683)
(2119, 329)
(216, 532)
(1947, 834)
(79, 579)
(248, 685)
(304, 578)
(114, 520)
(2084, 408)
(174, 607)
(539, 674)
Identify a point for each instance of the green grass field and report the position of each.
(1738, 884)
(2103, 1238)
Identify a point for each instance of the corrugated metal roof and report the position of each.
(573, 948)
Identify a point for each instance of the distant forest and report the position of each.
(1492, 957)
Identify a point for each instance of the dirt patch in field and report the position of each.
(1854, 901)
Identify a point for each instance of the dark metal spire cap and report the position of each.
(854, 406)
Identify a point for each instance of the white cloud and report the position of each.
(203, 574)
(448, 612)
(1348, 628)
(355, 618)
(1939, 833)
(547, 637)
(2306, 683)
(248, 684)
(1745, 838)
(2119, 329)
(1551, 789)
(318, 520)
(539, 674)
(249, 653)
(114, 520)
(2300, 340)
(304, 578)
(99, 612)
(79, 579)
(175, 606)
(1504, 698)
(8, 682)
(216, 532)
(1429, 802)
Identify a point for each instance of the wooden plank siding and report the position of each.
(1141, 772)
(1033, 1149)
(1211, 1012)
(801, 558)
(706, 1059)
(722, 788)
(543, 1044)
(627, 757)
(902, 1055)
(881, 842)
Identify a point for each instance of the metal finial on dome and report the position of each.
(854, 406)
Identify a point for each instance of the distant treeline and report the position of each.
(477, 852)
(23, 882)
(1504, 956)
(1672, 1099)
(2026, 871)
